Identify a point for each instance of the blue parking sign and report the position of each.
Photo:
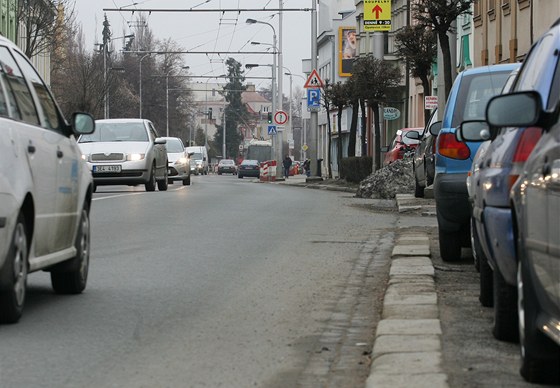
(313, 98)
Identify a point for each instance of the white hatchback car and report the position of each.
(45, 187)
(179, 162)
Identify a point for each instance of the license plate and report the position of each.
(109, 168)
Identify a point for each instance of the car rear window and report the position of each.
(474, 94)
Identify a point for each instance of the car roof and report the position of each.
(490, 68)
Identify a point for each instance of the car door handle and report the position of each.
(59, 154)
(31, 148)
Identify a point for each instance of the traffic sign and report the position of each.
(272, 130)
(377, 15)
(430, 102)
(313, 81)
(313, 98)
(280, 117)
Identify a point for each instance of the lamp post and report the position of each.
(290, 74)
(140, 88)
(106, 40)
(274, 70)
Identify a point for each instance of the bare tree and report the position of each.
(375, 81)
(440, 15)
(45, 23)
(417, 46)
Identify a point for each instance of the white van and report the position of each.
(199, 159)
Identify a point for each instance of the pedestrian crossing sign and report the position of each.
(272, 130)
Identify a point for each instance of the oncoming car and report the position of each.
(45, 187)
(126, 152)
(179, 163)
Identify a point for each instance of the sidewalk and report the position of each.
(409, 332)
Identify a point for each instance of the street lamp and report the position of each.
(290, 74)
(140, 91)
(275, 53)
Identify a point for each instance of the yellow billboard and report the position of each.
(377, 15)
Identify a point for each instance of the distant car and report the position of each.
(423, 163)
(126, 152)
(467, 100)
(45, 187)
(179, 163)
(226, 166)
(401, 145)
(249, 167)
(199, 160)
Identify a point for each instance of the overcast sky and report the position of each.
(212, 31)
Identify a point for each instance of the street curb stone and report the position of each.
(409, 332)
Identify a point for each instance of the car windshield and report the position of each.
(196, 156)
(174, 146)
(227, 161)
(109, 132)
(472, 100)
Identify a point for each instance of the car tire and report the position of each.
(450, 245)
(418, 190)
(187, 182)
(151, 184)
(162, 184)
(13, 277)
(505, 310)
(534, 344)
(94, 188)
(240, 176)
(72, 277)
(486, 296)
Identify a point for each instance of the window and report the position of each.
(51, 118)
(24, 108)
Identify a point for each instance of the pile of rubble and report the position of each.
(385, 183)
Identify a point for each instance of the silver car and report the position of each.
(179, 163)
(126, 152)
(45, 187)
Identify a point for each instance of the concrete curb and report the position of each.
(409, 333)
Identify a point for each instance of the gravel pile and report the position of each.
(385, 183)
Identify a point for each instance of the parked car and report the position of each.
(536, 209)
(45, 187)
(401, 145)
(467, 101)
(126, 152)
(226, 166)
(423, 163)
(178, 161)
(249, 167)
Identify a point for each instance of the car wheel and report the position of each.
(240, 176)
(486, 296)
(162, 184)
(94, 188)
(151, 184)
(169, 181)
(13, 278)
(72, 277)
(418, 190)
(449, 245)
(505, 310)
(187, 182)
(540, 357)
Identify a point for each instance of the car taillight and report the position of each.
(451, 148)
(528, 141)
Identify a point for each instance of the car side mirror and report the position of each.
(414, 135)
(160, 140)
(473, 130)
(435, 128)
(83, 123)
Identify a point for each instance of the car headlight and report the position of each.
(181, 161)
(85, 157)
(135, 157)
(199, 164)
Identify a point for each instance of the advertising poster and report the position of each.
(346, 50)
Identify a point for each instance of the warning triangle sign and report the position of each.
(313, 81)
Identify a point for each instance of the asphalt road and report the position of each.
(221, 283)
